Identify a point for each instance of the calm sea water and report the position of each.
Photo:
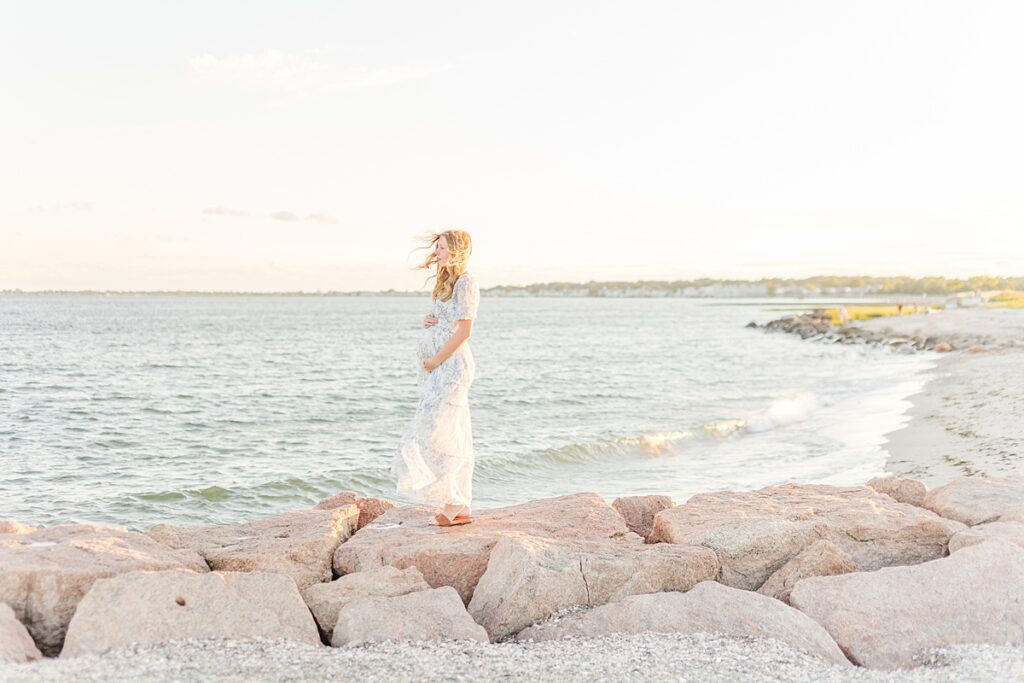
(139, 410)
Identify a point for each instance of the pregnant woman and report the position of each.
(434, 462)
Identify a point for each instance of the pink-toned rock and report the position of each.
(155, 607)
(909, 491)
(457, 556)
(976, 348)
(1008, 531)
(823, 558)
(976, 500)
(709, 607)
(435, 614)
(45, 573)
(529, 579)
(369, 508)
(299, 543)
(16, 645)
(881, 619)
(9, 526)
(943, 347)
(325, 600)
(639, 511)
(755, 533)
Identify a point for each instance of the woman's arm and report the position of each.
(463, 331)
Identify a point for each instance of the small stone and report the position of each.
(369, 508)
(909, 491)
(639, 511)
(9, 526)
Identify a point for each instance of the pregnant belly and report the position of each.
(430, 342)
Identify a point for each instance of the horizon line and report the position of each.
(699, 282)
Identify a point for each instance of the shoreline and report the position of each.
(965, 420)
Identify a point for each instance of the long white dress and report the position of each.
(434, 460)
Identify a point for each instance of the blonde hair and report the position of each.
(460, 246)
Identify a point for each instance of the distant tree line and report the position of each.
(880, 285)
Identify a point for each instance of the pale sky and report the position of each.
(303, 145)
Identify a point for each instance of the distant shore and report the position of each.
(932, 290)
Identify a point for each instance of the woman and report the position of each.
(434, 462)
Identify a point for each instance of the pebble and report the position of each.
(700, 658)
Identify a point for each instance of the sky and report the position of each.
(268, 146)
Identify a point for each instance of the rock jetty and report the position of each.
(869, 576)
(818, 325)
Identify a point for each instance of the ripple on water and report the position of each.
(271, 415)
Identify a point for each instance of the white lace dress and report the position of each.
(434, 461)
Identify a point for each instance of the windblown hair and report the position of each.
(460, 246)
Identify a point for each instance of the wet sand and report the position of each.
(969, 418)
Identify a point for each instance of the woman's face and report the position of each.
(441, 250)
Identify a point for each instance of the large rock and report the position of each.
(457, 556)
(16, 645)
(976, 500)
(755, 533)
(909, 491)
(435, 614)
(44, 573)
(823, 558)
(299, 543)
(325, 600)
(1009, 531)
(154, 607)
(881, 619)
(709, 607)
(369, 508)
(529, 579)
(639, 511)
(9, 526)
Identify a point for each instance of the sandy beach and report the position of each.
(966, 421)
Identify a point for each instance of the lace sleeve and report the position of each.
(466, 297)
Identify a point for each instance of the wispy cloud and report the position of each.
(319, 217)
(224, 211)
(68, 206)
(363, 77)
(271, 67)
(302, 73)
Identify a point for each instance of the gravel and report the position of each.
(645, 657)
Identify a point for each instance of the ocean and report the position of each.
(137, 410)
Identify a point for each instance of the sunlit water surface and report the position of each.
(139, 410)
